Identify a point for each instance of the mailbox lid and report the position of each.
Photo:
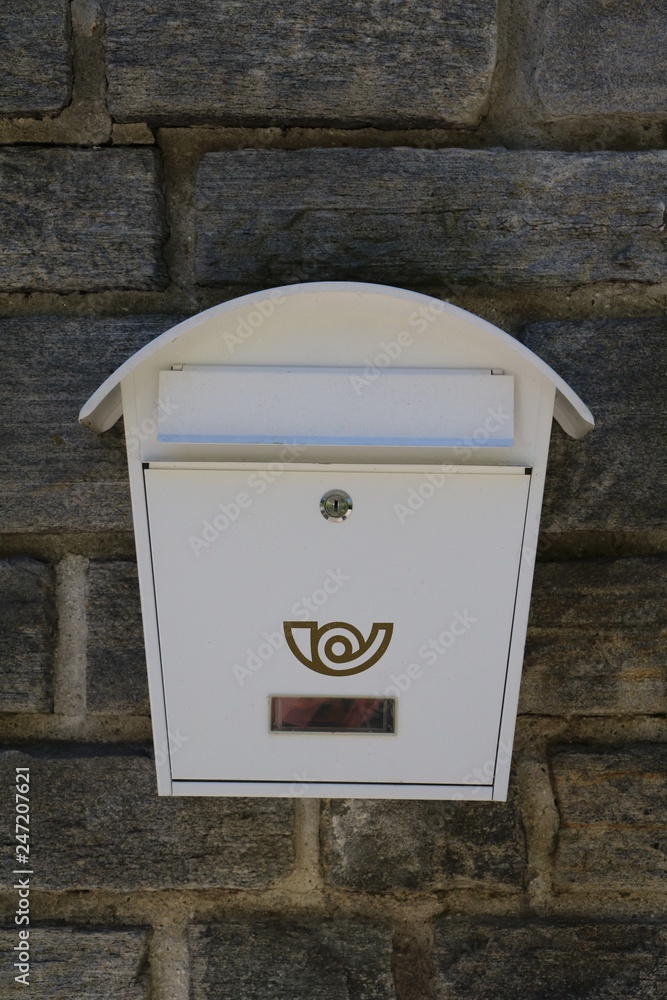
(239, 552)
(370, 323)
(415, 407)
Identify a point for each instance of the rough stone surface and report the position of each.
(602, 56)
(536, 960)
(410, 216)
(80, 220)
(69, 962)
(377, 845)
(116, 680)
(27, 636)
(101, 825)
(54, 473)
(284, 960)
(613, 810)
(614, 479)
(597, 639)
(35, 62)
(194, 176)
(312, 63)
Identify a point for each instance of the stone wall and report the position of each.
(156, 159)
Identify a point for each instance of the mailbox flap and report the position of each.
(413, 407)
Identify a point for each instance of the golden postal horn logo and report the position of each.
(337, 649)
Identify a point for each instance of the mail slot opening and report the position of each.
(332, 715)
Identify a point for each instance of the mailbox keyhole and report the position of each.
(336, 505)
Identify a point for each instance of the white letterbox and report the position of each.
(336, 491)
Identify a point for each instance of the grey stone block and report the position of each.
(81, 220)
(613, 812)
(69, 962)
(614, 479)
(54, 474)
(309, 63)
(597, 639)
(540, 960)
(27, 636)
(289, 960)
(116, 680)
(375, 845)
(411, 217)
(98, 823)
(35, 60)
(602, 57)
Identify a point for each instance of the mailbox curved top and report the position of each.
(105, 407)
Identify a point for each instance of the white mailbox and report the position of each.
(336, 491)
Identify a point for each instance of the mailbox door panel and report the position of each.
(257, 591)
